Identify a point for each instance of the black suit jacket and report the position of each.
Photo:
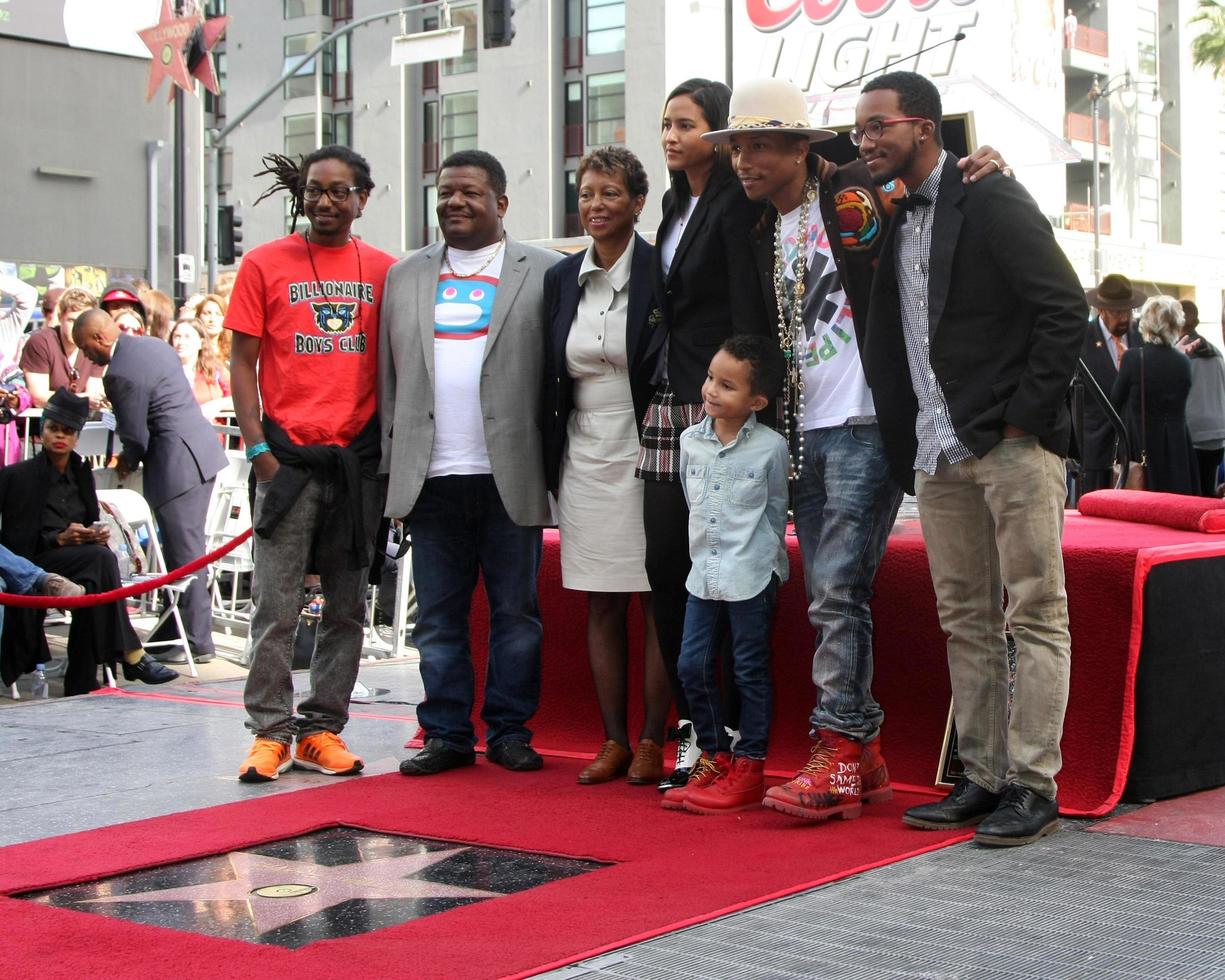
(642, 324)
(159, 420)
(1006, 323)
(711, 289)
(1099, 442)
(23, 495)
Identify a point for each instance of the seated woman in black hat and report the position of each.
(49, 510)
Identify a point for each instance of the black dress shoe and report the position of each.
(965, 806)
(436, 757)
(1022, 817)
(176, 655)
(514, 754)
(148, 671)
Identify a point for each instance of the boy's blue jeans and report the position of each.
(749, 622)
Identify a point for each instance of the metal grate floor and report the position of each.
(1075, 906)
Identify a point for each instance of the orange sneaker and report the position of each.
(327, 753)
(265, 762)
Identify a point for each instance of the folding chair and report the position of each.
(229, 515)
(135, 510)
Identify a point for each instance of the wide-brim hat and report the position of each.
(768, 105)
(1115, 292)
(67, 409)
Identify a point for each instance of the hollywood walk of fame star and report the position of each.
(383, 878)
(166, 40)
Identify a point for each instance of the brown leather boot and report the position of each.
(648, 764)
(610, 762)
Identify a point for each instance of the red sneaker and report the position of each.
(874, 774)
(706, 771)
(829, 784)
(740, 788)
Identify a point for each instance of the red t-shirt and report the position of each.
(318, 350)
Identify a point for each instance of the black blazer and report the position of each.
(159, 420)
(23, 495)
(711, 289)
(1099, 442)
(1007, 319)
(642, 323)
(1160, 433)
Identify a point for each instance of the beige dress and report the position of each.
(603, 546)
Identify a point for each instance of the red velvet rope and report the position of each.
(137, 588)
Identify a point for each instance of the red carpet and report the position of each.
(1194, 819)
(669, 869)
(1105, 598)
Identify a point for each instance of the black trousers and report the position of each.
(181, 521)
(665, 517)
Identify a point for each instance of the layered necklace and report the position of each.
(310, 254)
(790, 303)
(446, 260)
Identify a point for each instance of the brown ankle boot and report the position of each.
(610, 762)
(829, 784)
(648, 764)
(740, 788)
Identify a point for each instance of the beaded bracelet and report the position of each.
(259, 447)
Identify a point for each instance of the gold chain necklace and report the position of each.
(792, 327)
(446, 260)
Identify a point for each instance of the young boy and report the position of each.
(734, 474)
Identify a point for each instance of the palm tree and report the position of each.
(1209, 48)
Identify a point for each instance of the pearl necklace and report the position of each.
(446, 260)
(792, 328)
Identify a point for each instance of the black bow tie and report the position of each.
(911, 201)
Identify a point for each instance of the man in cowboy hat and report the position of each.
(971, 344)
(1107, 338)
(845, 500)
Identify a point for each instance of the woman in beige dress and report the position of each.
(599, 364)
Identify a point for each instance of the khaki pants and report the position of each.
(992, 524)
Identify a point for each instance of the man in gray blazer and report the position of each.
(160, 425)
(461, 347)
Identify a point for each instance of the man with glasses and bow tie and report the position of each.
(844, 498)
(974, 326)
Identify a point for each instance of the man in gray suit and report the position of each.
(160, 424)
(461, 341)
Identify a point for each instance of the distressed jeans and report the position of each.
(845, 503)
(990, 525)
(281, 561)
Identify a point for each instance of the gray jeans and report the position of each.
(276, 589)
(992, 524)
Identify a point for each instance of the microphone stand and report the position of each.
(1083, 381)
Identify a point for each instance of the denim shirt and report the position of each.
(737, 496)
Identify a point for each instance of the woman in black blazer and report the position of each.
(706, 281)
(49, 513)
(1156, 420)
(598, 370)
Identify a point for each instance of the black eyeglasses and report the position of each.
(874, 129)
(339, 194)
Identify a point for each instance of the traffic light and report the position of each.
(499, 23)
(229, 235)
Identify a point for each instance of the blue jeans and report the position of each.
(749, 622)
(459, 527)
(17, 575)
(845, 504)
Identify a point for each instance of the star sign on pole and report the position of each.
(200, 51)
(166, 40)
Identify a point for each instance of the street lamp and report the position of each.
(1119, 83)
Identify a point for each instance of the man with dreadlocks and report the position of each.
(305, 314)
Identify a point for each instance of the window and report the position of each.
(1148, 210)
(572, 55)
(307, 8)
(1146, 43)
(1146, 136)
(429, 137)
(465, 17)
(606, 108)
(574, 224)
(605, 26)
(342, 129)
(573, 133)
(300, 133)
(458, 123)
(342, 73)
(429, 213)
(302, 82)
